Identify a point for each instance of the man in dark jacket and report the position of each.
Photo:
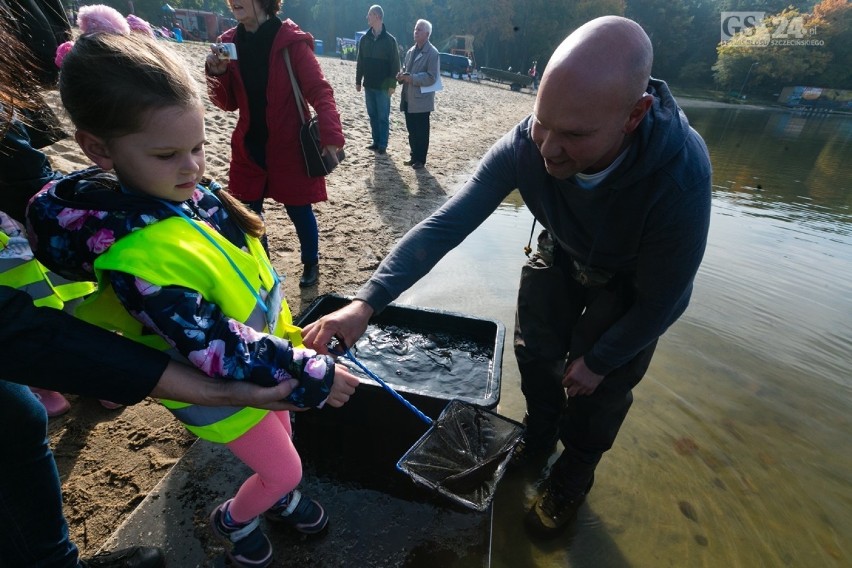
(376, 67)
(610, 167)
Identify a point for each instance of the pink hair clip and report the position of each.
(100, 18)
(137, 24)
(62, 51)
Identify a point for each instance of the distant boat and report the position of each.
(516, 80)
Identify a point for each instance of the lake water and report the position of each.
(737, 449)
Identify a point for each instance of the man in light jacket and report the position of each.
(420, 73)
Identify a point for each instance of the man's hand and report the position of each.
(348, 323)
(579, 380)
(342, 388)
(391, 91)
(358, 87)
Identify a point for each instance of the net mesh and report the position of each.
(463, 455)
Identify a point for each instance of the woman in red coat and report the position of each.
(266, 155)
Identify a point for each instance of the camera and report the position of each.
(225, 50)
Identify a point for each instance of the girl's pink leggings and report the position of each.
(268, 450)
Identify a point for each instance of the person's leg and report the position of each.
(589, 424)
(419, 136)
(426, 127)
(549, 303)
(410, 128)
(34, 530)
(372, 112)
(268, 450)
(305, 223)
(306, 229)
(382, 118)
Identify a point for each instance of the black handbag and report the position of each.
(316, 164)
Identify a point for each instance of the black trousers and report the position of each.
(417, 124)
(557, 321)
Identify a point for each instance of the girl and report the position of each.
(179, 264)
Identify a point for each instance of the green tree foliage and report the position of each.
(790, 48)
(833, 24)
(669, 24)
(685, 33)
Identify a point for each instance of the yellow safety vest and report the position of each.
(175, 252)
(44, 287)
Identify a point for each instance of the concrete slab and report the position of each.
(368, 527)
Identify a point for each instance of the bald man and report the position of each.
(609, 166)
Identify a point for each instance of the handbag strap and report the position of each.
(300, 100)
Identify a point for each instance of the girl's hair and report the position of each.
(18, 84)
(110, 83)
(248, 220)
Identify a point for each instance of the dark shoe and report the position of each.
(524, 455)
(555, 510)
(408, 162)
(310, 275)
(133, 557)
(249, 547)
(418, 165)
(372, 147)
(300, 513)
(381, 150)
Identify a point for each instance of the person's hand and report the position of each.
(358, 87)
(213, 65)
(348, 323)
(188, 384)
(391, 91)
(579, 379)
(242, 393)
(342, 388)
(331, 150)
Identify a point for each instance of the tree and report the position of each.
(783, 50)
(668, 23)
(832, 23)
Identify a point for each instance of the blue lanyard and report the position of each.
(251, 289)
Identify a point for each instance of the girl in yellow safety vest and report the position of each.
(179, 264)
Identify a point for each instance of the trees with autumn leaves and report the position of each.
(685, 33)
(791, 48)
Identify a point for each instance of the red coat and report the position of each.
(285, 176)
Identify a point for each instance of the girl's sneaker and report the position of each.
(54, 403)
(109, 405)
(249, 546)
(299, 512)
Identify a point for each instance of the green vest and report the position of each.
(44, 287)
(175, 252)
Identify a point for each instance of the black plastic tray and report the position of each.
(481, 330)
(381, 517)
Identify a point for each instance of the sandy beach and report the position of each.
(110, 459)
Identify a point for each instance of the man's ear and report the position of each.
(638, 112)
(95, 148)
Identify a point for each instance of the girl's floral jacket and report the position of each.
(75, 219)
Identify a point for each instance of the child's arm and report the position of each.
(221, 346)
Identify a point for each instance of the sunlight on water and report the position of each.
(736, 451)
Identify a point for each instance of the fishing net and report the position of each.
(464, 454)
